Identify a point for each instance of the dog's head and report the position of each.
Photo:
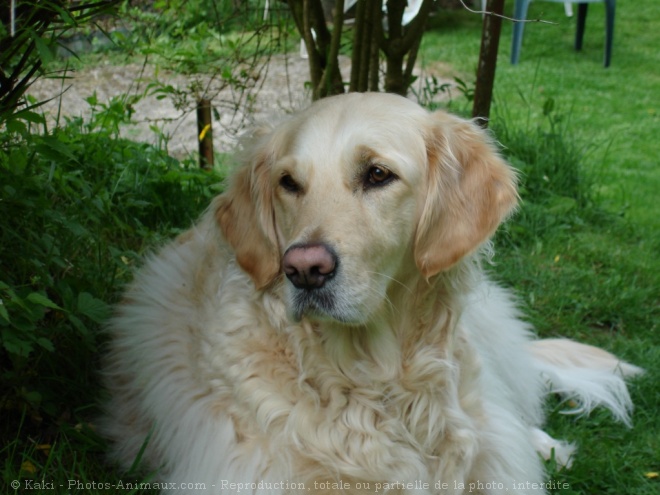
(356, 193)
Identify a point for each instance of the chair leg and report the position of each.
(520, 14)
(610, 7)
(581, 20)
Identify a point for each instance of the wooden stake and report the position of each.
(205, 133)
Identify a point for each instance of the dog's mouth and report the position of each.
(317, 303)
(323, 305)
(311, 269)
(319, 287)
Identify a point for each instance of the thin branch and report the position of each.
(358, 35)
(312, 53)
(484, 12)
(335, 44)
(375, 42)
(411, 37)
(12, 22)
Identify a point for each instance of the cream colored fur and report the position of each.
(417, 376)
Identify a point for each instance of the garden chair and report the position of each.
(520, 13)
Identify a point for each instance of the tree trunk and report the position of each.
(490, 40)
(399, 43)
(321, 44)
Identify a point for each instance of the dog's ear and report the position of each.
(471, 190)
(246, 217)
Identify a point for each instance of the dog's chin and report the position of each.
(323, 306)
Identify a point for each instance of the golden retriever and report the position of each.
(326, 327)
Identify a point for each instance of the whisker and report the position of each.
(410, 291)
(384, 295)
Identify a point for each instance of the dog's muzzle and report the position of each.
(309, 268)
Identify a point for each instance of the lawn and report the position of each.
(596, 280)
(617, 109)
(582, 253)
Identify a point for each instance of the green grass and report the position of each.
(581, 253)
(588, 271)
(617, 107)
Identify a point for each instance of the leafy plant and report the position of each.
(224, 49)
(429, 88)
(29, 32)
(79, 205)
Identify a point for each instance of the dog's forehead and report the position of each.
(392, 128)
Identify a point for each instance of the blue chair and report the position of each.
(520, 13)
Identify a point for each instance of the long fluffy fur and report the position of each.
(587, 375)
(441, 388)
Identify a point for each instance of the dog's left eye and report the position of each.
(378, 176)
(288, 183)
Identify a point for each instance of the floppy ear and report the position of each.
(246, 217)
(471, 190)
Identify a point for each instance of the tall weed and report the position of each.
(556, 189)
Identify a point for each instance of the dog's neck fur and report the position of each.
(425, 318)
(404, 382)
(410, 362)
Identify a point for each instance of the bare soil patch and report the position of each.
(279, 89)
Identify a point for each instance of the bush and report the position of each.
(29, 32)
(79, 206)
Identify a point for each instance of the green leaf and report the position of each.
(64, 15)
(548, 106)
(78, 324)
(34, 117)
(93, 308)
(16, 127)
(46, 344)
(4, 314)
(45, 53)
(13, 343)
(54, 149)
(75, 228)
(32, 396)
(561, 205)
(42, 300)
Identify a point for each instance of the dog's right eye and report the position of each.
(377, 176)
(287, 183)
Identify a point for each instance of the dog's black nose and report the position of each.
(309, 266)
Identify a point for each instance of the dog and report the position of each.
(327, 325)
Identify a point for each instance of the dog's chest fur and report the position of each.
(355, 404)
